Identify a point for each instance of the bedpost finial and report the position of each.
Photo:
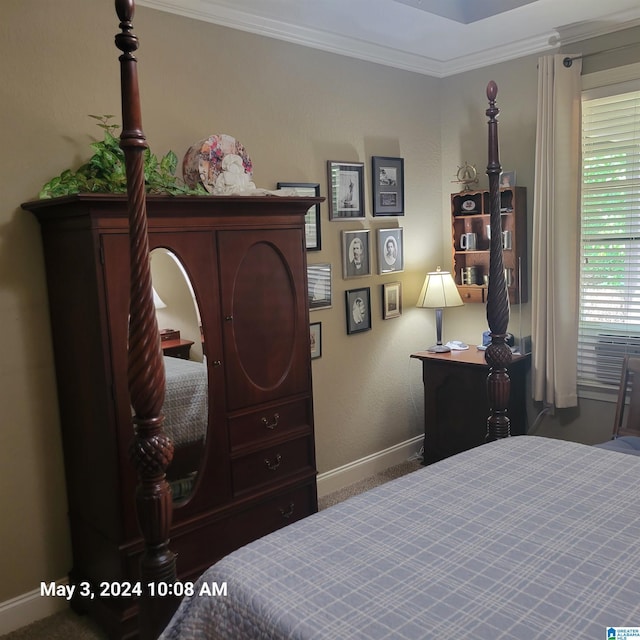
(125, 10)
(492, 91)
(493, 111)
(126, 40)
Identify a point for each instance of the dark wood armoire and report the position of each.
(245, 259)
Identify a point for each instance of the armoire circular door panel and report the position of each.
(263, 315)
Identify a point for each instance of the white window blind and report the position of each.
(609, 323)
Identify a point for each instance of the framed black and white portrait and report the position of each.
(356, 260)
(312, 229)
(319, 283)
(387, 180)
(507, 179)
(346, 190)
(390, 250)
(358, 308)
(391, 300)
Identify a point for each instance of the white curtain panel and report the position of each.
(556, 233)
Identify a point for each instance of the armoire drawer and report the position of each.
(193, 544)
(278, 512)
(269, 422)
(272, 464)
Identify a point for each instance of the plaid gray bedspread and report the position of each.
(525, 538)
(185, 405)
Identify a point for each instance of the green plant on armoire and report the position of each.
(105, 170)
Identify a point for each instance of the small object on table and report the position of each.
(169, 334)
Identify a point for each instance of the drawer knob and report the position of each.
(273, 423)
(288, 512)
(273, 465)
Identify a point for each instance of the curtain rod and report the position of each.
(568, 61)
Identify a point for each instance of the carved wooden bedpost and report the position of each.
(498, 354)
(151, 451)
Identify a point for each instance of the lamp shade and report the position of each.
(439, 291)
(158, 302)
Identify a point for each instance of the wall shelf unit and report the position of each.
(471, 237)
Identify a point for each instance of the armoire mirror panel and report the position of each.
(186, 404)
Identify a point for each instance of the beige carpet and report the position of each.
(368, 483)
(68, 625)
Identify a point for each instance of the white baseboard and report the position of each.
(29, 607)
(343, 476)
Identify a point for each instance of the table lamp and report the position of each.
(439, 291)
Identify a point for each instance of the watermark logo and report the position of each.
(623, 633)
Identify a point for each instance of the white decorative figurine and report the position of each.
(233, 178)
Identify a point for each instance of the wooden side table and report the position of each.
(456, 405)
(177, 348)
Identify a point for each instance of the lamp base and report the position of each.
(438, 348)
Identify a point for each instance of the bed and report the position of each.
(185, 404)
(522, 537)
(185, 411)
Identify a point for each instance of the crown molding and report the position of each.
(503, 53)
(210, 11)
(585, 30)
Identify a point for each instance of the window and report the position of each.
(609, 322)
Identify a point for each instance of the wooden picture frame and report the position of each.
(387, 181)
(319, 286)
(312, 227)
(390, 250)
(315, 337)
(391, 300)
(507, 179)
(358, 310)
(346, 190)
(356, 256)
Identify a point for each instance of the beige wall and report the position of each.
(294, 109)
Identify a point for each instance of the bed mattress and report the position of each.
(524, 538)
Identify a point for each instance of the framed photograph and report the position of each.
(312, 218)
(358, 307)
(356, 261)
(387, 179)
(390, 250)
(315, 334)
(319, 284)
(346, 190)
(508, 179)
(391, 300)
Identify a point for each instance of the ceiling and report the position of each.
(433, 37)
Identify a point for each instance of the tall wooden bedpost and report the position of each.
(152, 450)
(498, 353)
